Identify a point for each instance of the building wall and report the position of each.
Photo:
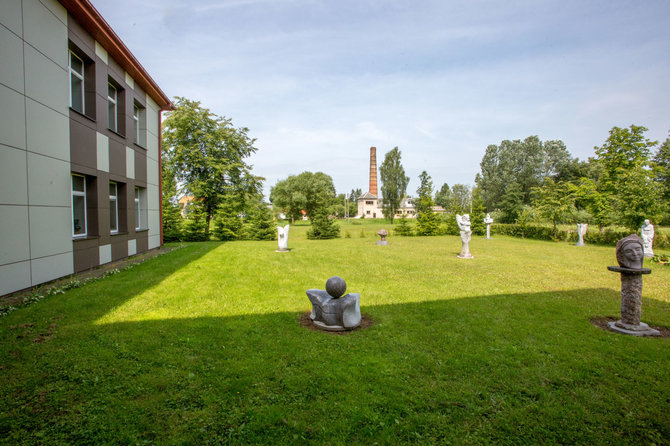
(43, 141)
(35, 223)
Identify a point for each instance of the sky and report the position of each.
(319, 82)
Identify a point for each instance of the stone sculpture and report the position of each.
(581, 230)
(282, 238)
(629, 254)
(333, 311)
(488, 221)
(466, 234)
(647, 232)
(383, 233)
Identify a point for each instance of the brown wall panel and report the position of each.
(119, 247)
(142, 241)
(83, 141)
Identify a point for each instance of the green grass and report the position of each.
(202, 345)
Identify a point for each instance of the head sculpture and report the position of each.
(629, 252)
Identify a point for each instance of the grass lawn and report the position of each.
(203, 346)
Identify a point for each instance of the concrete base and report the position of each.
(283, 250)
(325, 327)
(580, 244)
(640, 330)
(383, 243)
(466, 256)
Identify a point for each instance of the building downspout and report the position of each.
(160, 170)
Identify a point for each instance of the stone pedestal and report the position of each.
(631, 303)
(383, 233)
(488, 231)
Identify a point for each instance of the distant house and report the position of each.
(184, 204)
(79, 144)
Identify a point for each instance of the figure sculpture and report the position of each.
(581, 230)
(282, 238)
(331, 310)
(647, 231)
(466, 234)
(629, 254)
(488, 221)
(383, 233)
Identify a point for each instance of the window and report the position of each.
(78, 206)
(77, 83)
(113, 208)
(112, 98)
(139, 124)
(369, 202)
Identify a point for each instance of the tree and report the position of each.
(171, 216)
(625, 158)
(520, 166)
(443, 197)
(355, 193)
(661, 169)
(287, 197)
(322, 226)
(427, 221)
(207, 154)
(596, 203)
(478, 213)
(227, 221)
(260, 225)
(554, 201)
(460, 199)
(307, 191)
(394, 183)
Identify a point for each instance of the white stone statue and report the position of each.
(581, 230)
(466, 234)
(647, 232)
(282, 238)
(488, 221)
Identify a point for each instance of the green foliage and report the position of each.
(195, 226)
(312, 192)
(638, 197)
(227, 221)
(394, 183)
(427, 221)
(512, 204)
(478, 214)
(403, 229)
(322, 226)
(443, 197)
(521, 165)
(260, 225)
(207, 154)
(554, 201)
(461, 199)
(597, 203)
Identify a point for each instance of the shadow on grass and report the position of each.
(518, 368)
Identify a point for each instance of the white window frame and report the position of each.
(138, 209)
(114, 199)
(79, 76)
(113, 101)
(78, 194)
(136, 121)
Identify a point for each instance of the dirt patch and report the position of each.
(601, 322)
(305, 321)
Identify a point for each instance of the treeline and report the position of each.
(204, 157)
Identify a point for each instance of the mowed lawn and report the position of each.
(203, 346)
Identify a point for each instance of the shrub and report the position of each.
(403, 229)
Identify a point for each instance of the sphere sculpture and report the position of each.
(333, 311)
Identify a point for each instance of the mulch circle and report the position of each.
(305, 321)
(601, 322)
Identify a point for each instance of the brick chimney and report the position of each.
(373, 171)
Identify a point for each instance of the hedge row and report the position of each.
(608, 237)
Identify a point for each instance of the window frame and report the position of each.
(115, 199)
(81, 77)
(136, 122)
(79, 194)
(115, 102)
(138, 209)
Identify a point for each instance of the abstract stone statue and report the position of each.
(466, 234)
(647, 232)
(282, 238)
(488, 221)
(629, 255)
(331, 310)
(581, 230)
(383, 233)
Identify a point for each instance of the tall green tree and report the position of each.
(625, 158)
(443, 197)
(172, 220)
(394, 183)
(460, 199)
(427, 221)
(207, 154)
(661, 169)
(521, 165)
(288, 196)
(554, 201)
